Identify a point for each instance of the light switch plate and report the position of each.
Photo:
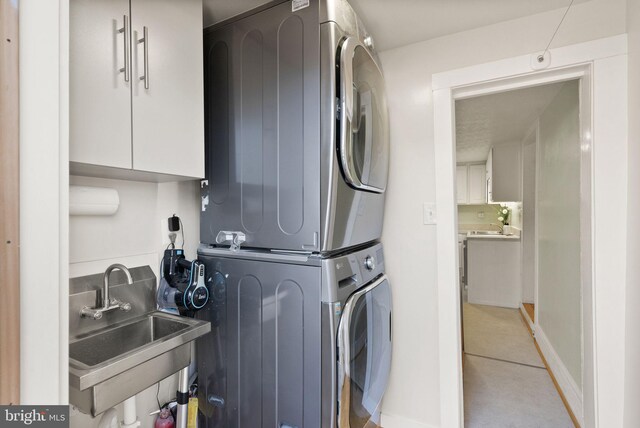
(429, 214)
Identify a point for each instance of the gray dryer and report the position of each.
(296, 129)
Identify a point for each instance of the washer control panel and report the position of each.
(369, 263)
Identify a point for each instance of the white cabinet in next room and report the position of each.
(136, 88)
(494, 271)
(477, 184)
(471, 184)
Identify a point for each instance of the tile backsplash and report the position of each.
(485, 217)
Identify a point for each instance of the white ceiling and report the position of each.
(480, 122)
(498, 118)
(396, 23)
(402, 22)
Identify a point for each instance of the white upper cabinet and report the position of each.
(136, 102)
(168, 106)
(477, 184)
(100, 93)
(505, 173)
(471, 184)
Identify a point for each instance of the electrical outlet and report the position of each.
(429, 214)
(480, 214)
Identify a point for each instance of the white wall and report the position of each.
(43, 169)
(632, 374)
(413, 395)
(134, 237)
(558, 200)
(136, 231)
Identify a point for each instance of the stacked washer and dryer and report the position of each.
(297, 147)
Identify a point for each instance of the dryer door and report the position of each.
(363, 137)
(364, 360)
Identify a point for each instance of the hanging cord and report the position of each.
(541, 57)
(182, 230)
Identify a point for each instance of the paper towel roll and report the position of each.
(84, 200)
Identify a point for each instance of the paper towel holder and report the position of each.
(93, 201)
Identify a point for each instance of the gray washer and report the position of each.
(274, 357)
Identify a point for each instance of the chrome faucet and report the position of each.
(108, 304)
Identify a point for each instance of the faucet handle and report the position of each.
(118, 304)
(90, 313)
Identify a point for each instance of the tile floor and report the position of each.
(505, 381)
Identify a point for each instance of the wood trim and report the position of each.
(529, 307)
(576, 424)
(9, 206)
(555, 383)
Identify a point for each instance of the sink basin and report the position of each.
(120, 340)
(110, 364)
(484, 232)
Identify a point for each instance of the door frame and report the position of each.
(10, 205)
(44, 202)
(532, 134)
(604, 61)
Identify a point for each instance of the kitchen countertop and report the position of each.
(497, 236)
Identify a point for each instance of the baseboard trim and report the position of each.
(393, 421)
(569, 392)
(508, 305)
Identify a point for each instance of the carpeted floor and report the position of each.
(500, 333)
(505, 382)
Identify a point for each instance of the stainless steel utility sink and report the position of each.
(118, 341)
(123, 353)
(109, 365)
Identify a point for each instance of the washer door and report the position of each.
(363, 120)
(364, 354)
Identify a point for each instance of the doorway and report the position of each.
(604, 149)
(518, 172)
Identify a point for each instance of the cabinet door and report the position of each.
(477, 184)
(462, 180)
(99, 94)
(506, 173)
(168, 107)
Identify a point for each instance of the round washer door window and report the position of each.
(364, 340)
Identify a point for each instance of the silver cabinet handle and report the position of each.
(127, 46)
(145, 40)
